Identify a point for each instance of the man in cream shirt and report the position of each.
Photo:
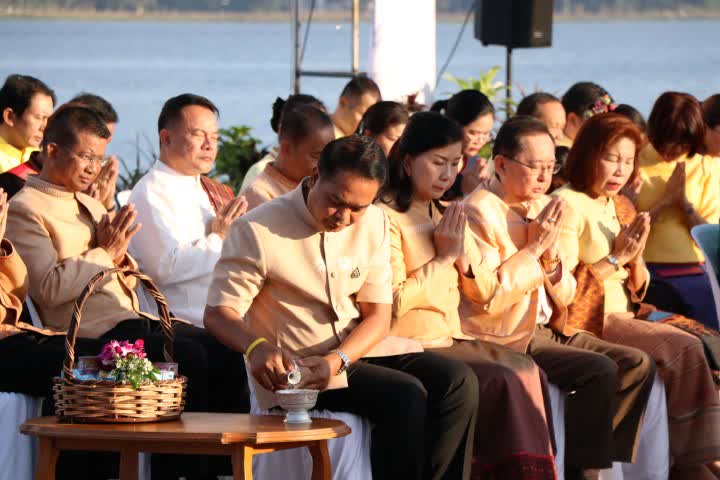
(182, 233)
(307, 276)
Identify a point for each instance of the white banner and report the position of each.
(403, 51)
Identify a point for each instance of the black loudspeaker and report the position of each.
(514, 23)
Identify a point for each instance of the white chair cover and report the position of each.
(349, 455)
(653, 454)
(707, 238)
(557, 406)
(18, 452)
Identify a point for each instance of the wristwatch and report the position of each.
(345, 361)
(612, 260)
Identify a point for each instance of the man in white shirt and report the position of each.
(184, 224)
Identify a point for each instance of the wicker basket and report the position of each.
(103, 401)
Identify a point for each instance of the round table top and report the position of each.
(196, 427)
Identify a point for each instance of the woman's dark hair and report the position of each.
(711, 111)
(99, 104)
(354, 154)
(381, 116)
(17, 92)
(676, 125)
(291, 102)
(633, 114)
(298, 122)
(172, 109)
(582, 97)
(508, 140)
(425, 131)
(530, 105)
(595, 136)
(69, 121)
(465, 106)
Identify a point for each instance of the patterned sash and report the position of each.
(218, 193)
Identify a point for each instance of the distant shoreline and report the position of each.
(10, 13)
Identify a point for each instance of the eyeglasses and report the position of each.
(553, 168)
(98, 160)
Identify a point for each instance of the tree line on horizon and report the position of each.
(444, 6)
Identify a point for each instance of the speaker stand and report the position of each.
(508, 82)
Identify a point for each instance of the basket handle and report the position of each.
(149, 286)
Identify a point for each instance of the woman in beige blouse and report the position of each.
(430, 259)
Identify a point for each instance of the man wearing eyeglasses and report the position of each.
(516, 227)
(66, 238)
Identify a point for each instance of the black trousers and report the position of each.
(423, 409)
(217, 382)
(609, 385)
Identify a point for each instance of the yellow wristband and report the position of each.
(254, 344)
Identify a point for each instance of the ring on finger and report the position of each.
(552, 220)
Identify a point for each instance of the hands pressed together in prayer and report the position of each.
(114, 234)
(630, 242)
(449, 238)
(544, 232)
(270, 365)
(103, 189)
(230, 212)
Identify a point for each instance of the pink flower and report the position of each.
(114, 350)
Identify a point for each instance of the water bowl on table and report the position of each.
(297, 402)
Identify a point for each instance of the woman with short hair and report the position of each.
(602, 243)
(681, 189)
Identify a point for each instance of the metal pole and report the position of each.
(355, 36)
(296, 35)
(508, 82)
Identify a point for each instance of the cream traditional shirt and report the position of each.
(54, 231)
(509, 315)
(174, 246)
(258, 167)
(269, 184)
(426, 294)
(299, 286)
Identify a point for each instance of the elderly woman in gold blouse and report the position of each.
(603, 244)
(430, 259)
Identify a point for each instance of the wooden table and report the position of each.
(240, 436)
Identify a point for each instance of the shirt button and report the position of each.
(332, 275)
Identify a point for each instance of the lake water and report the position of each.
(242, 67)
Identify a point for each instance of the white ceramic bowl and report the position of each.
(297, 402)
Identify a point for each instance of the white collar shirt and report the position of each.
(174, 246)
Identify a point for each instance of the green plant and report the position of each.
(486, 84)
(238, 150)
(144, 159)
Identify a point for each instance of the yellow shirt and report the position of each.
(338, 132)
(11, 157)
(588, 236)
(670, 240)
(564, 142)
(426, 294)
